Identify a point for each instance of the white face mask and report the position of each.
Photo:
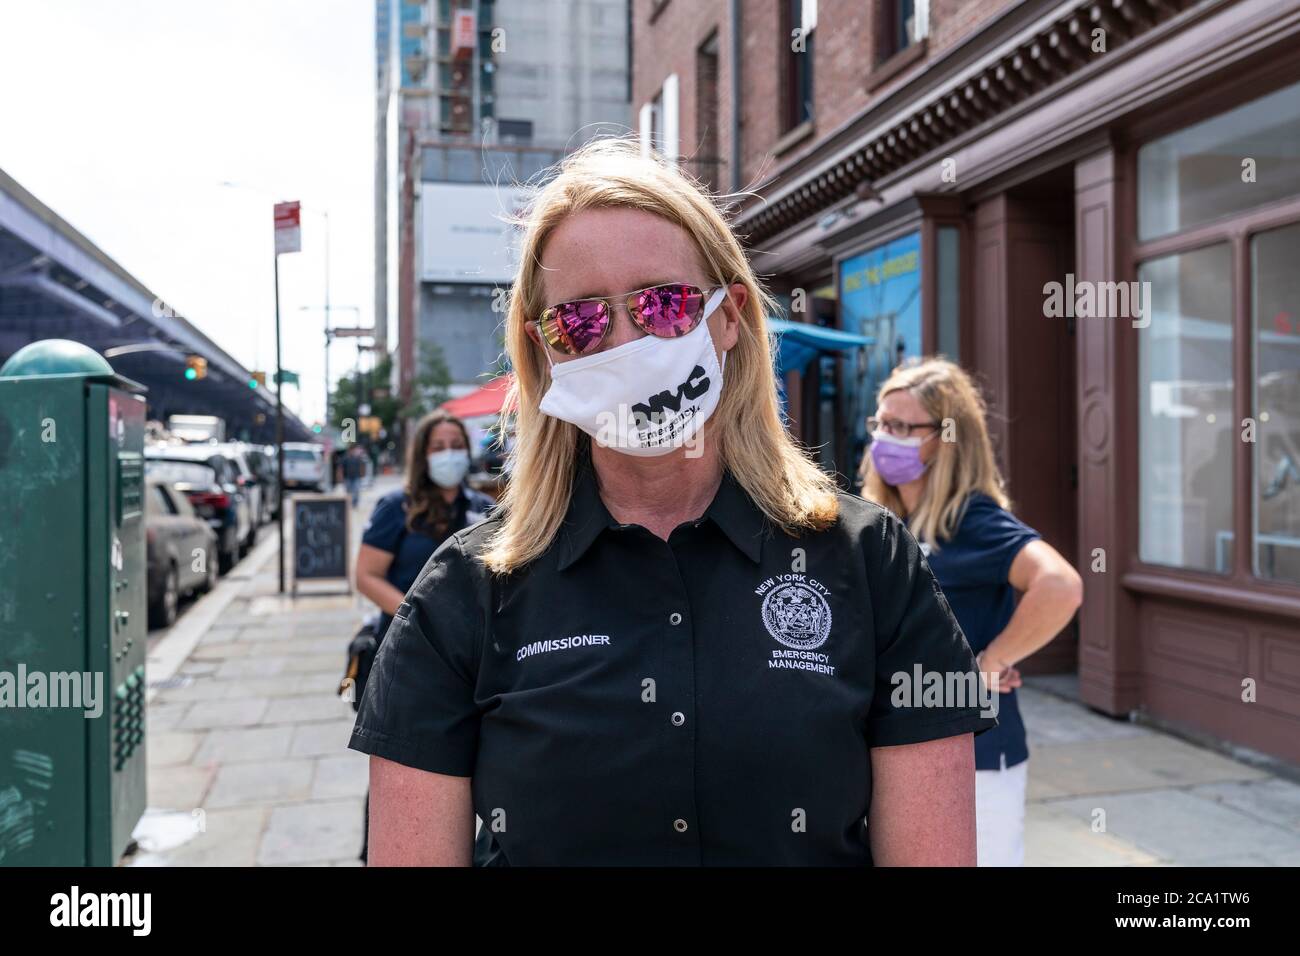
(645, 397)
(448, 468)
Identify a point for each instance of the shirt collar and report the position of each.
(732, 510)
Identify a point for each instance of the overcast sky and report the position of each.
(127, 116)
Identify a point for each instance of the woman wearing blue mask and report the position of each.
(409, 523)
(931, 461)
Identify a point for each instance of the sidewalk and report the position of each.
(1106, 792)
(248, 758)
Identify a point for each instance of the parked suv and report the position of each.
(304, 466)
(211, 483)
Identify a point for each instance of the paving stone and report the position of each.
(194, 668)
(322, 682)
(316, 663)
(261, 781)
(1178, 826)
(347, 775)
(302, 645)
(1274, 800)
(319, 831)
(305, 709)
(321, 738)
(1052, 720)
(244, 744)
(228, 837)
(237, 712)
(1149, 762)
(248, 667)
(219, 651)
(161, 716)
(180, 787)
(172, 747)
(1057, 838)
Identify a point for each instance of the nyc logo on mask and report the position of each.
(646, 397)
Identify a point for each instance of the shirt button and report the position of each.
(674, 619)
(678, 719)
(679, 825)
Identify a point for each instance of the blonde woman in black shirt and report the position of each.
(675, 642)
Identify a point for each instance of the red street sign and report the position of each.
(288, 230)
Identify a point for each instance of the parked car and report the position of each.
(209, 480)
(181, 549)
(305, 466)
(250, 481)
(262, 462)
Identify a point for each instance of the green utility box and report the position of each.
(72, 608)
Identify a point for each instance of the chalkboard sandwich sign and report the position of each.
(321, 539)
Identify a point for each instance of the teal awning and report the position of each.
(800, 343)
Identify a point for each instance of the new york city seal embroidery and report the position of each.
(796, 613)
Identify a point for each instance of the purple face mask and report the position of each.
(897, 460)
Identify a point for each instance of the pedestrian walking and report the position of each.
(674, 641)
(354, 469)
(409, 524)
(931, 460)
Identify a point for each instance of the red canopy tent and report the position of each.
(485, 401)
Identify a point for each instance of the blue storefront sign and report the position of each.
(880, 298)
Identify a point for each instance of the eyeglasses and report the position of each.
(899, 429)
(667, 311)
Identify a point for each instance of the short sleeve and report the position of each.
(917, 636)
(384, 529)
(990, 539)
(418, 708)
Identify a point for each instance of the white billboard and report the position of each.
(465, 236)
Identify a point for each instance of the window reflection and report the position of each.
(1275, 278)
(1186, 432)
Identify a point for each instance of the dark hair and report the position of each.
(425, 505)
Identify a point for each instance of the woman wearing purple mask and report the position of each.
(931, 461)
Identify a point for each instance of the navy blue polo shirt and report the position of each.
(411, 550)
(712, 699)
(973, 569)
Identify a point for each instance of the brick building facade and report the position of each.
(926, 170)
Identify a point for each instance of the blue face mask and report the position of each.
(447, 469)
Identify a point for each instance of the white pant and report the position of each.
(1000, 815)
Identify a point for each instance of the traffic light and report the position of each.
(258, 380)
(196, 367)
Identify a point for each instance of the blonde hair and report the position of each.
(959, 467)
(751, 438)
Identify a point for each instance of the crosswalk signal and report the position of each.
(196, 367)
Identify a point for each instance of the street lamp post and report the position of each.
(329, 338)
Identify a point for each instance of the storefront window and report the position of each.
(880, 297)
(1236, 161)
(1186, 431)
(1275, 281)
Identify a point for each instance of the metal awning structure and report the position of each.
(56, 283)
(800, 342)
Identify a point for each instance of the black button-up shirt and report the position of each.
(710, 699)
